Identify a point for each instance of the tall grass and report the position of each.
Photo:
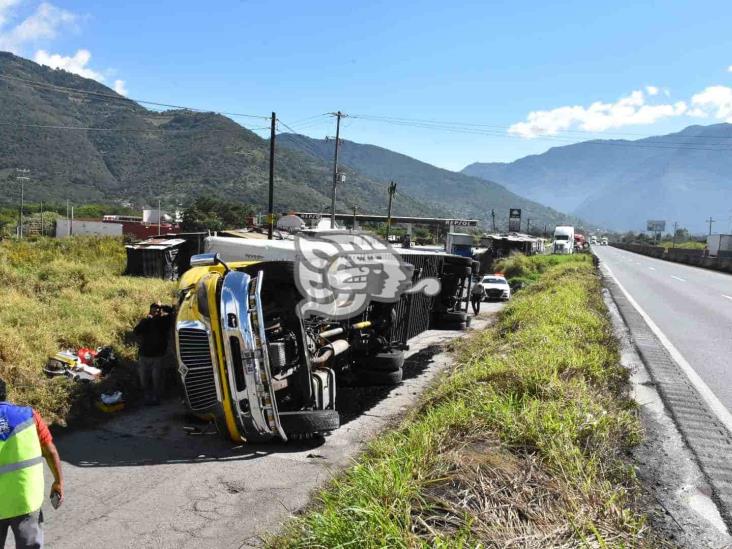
(520, 445)
(58, 293)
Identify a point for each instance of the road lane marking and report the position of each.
(706, 393)
(678, 278)
(727, 296)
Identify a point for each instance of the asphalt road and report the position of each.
(690, 305)
(140, 481)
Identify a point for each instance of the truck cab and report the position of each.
(564, 240)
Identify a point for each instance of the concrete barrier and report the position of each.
(695, 258)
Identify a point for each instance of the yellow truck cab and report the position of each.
(245, 357)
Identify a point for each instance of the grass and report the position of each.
(522, 444)
(59, 293)
(688, 245)
(528, 269)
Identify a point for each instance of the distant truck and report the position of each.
(593, 240)
(719, 245)
(603, 242)
(563, 239)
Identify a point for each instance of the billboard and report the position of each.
(514, 220)
(655, 226)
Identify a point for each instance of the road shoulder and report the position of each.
(684, 459)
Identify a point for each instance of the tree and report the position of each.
(214, 215)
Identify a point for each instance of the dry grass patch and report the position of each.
(57, 293)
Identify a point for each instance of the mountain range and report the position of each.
(682, 177)
(452, 193)
(83, 142)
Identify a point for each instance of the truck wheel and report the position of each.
(456, 270)
(453, 316)
(379, 377)
(462, 326)
(310, 421)
(388, 361)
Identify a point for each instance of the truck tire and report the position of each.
(461, 326)
(379, 377)
(388, 361)
(456, 270)
(311, 421)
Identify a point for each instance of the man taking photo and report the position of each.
(25, 442)
(153, 333)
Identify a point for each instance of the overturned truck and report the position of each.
(248, 360)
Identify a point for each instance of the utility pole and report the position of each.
(675, 229)
(22, 178)
(42, 228)
(159, 216)
(528, 225)
(338, 116)
(270, 208)
(493, 217)
(392, 190)
(710, 221)
(354, 218)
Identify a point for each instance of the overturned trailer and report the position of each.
(248, 358)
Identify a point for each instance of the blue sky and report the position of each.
(649, 67)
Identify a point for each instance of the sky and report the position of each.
(468, 81)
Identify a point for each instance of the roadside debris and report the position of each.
(84, 364)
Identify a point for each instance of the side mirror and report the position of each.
(205, 260)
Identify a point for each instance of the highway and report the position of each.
(690, 305)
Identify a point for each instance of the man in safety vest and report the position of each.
(25, 442)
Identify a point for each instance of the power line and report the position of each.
(505, 129)
(503, 134)
(121, 98)
(130, 130)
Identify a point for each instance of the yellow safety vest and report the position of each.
(21, 462)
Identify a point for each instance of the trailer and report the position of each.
(247, 359)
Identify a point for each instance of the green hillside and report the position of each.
(137, 156)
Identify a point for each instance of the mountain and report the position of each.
(455, 194)
(683, 177)
(132, 154)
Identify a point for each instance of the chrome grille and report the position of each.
(197, 368)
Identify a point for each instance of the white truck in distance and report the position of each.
(563, 239)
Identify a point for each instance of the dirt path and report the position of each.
(141, 481)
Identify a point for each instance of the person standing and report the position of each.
(477, 294)
(153, 333)
(25, 442)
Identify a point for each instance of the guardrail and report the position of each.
(697, 258)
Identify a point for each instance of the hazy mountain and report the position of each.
(456, 194)
(683, 177)
(138, 155)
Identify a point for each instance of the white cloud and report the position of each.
(652, 90)
(715, 101)
(629, 110)
(43, 24)
(5, 9)
(729, 69)
(120, 87)
(76, 63)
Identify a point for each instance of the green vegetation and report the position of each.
(215, 215)
(59, 293)
(174, 156)
(522, 444)
(518, 268)
(689, 244)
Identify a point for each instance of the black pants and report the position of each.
(475, 302)
(26, 530)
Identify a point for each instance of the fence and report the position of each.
(697, 258)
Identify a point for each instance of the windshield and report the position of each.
(561, 237)
(494, 280)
